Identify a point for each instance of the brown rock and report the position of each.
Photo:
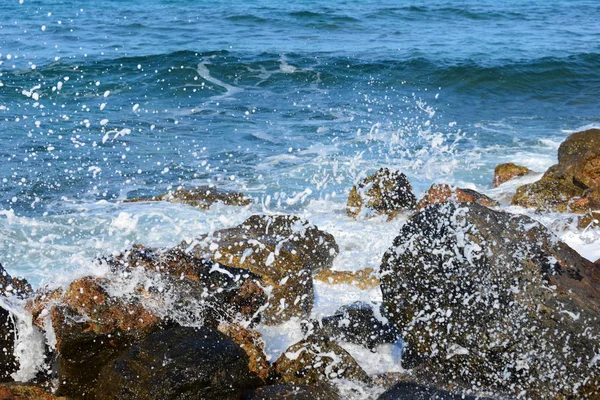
(443, 193)
(383, 193)
(577, 171)
(507, 171)
(363, 279)
(25, 392)
(593, 197)
(251, 342)
(317, 359)
(296, 392)
(202, 197)
(283, 250)
(590, 220)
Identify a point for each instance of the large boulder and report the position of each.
(179, 363)
(492, 301)
(577, 171)
(507, 171)
(317, 359)
(282, 250)
(295, 392)
(443, 193)
(383, 193)
(356, 323)
(202, 197)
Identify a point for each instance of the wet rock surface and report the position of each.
(577, 171)
(410, 390)
(356, 323)
(283, 251)
(364, 279)
(442, 193)
(251, 342)
(383, 193)
(296, 392)
(507, 171)
(21, 391)
(202, 197)
(179, 363)
(317, 359)
(492, 301)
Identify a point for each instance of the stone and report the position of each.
(295, 392)
(507, 171)
(383, 193)
(443, 193)
(414, 391)
(577, 171)
(589, 220)
(178, 363)
(317, 359)
(500, 306)
(363, 279)
(21, 391)
(356, 323)
(251, 342)
(202, 197)
(284, 251)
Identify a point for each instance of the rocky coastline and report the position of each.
(483, 303)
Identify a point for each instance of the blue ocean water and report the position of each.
(286, 101)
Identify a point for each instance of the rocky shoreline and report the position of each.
(483, 303)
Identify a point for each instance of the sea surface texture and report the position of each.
(290, 103)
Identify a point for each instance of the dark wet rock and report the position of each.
(91, 328)
(577, 171)
(21, 391)
(364, 279)
(296, 392)
(282, 250)
(317, 359)
(179, 363)
(501, 305)
(251, 342)
(356, 323)
(10, 286)
(213, 291)
(383, 193)
(507, 171)
(405, 390)
(442, 193)
(202, 197)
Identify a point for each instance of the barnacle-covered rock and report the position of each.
(492, 301)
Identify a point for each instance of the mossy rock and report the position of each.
(383, 193)
(546, 195)
(507, 171)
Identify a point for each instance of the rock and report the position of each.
(317, 359)
(590, 220)
(593, 198)
(507, 171)
(251, 342)
(363, 279)
(383, 193)
(202, 197)
(10, 286)
(295, 392)
(22, 391)
(414, 391)
(207, 289)
(91, 327)
(501, 305)
(578, 170)
(283, 250)
(356, 323)
(178, 363)
(442, 193)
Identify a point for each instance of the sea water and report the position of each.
(288, 102)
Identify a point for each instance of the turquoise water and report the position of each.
(290, 103)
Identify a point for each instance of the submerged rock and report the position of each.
(577, 171)
(202, 197)
(356, 323)
(178, 363)
(317, 359)
(295, 392)
(443, 193)
(492, 301)
(405, 390)
(282, 250)
(364, 279)
(383, 193)
(507, 171)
